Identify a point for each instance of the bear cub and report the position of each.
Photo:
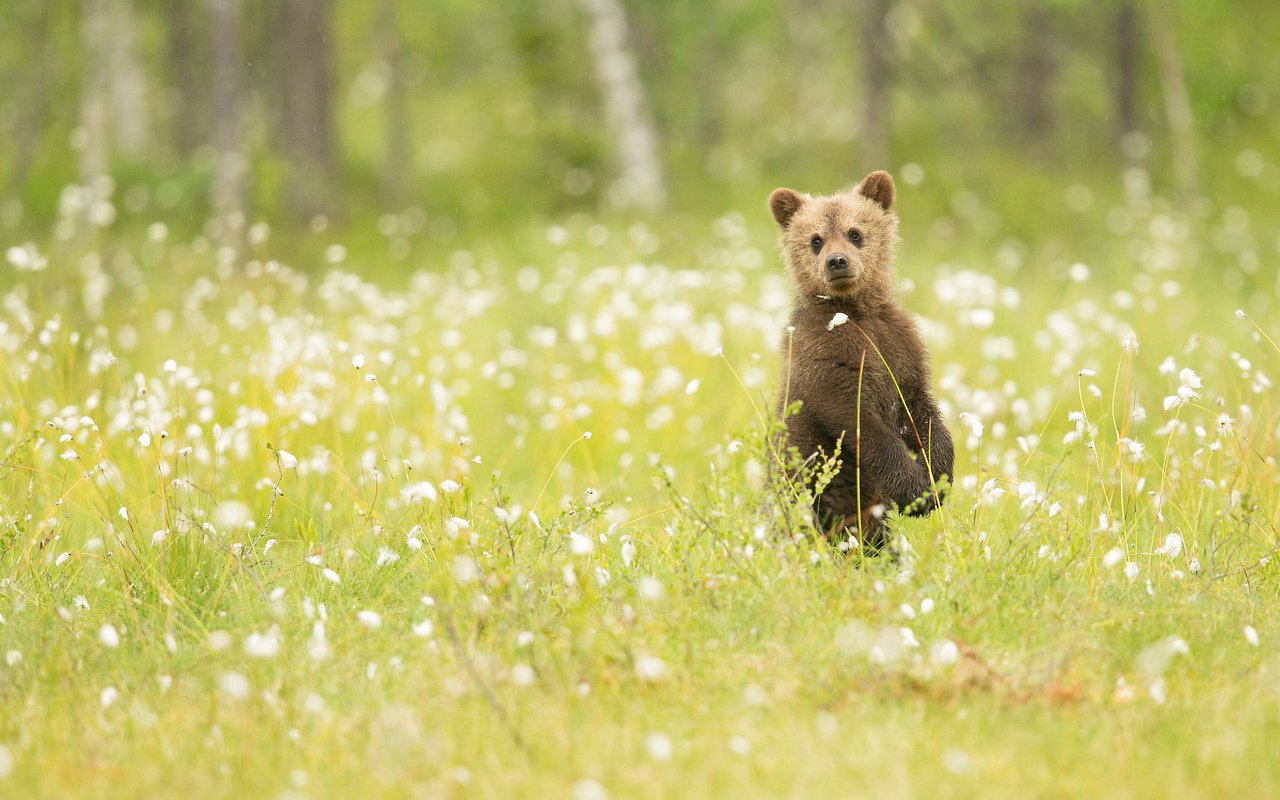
(854, 359)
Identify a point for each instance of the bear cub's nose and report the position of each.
(838, 265)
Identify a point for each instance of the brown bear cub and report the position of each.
(855, 361)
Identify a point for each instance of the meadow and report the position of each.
(506, 521)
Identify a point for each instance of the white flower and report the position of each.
(522, 675)
(369, 619)
(945, 653)
(1131, 571)
(145, 439)
(108, 636)
(650, 669)
(388, 556)
(839, 319)
(287, 460)
(423, 629)
(1251, 635)
(659, 746)
(580, 545)
(1113, 557)
(357, 361)
(1225, 424)
(262, 645)
(234, 685)
(331, 576)
(418, 492)
(449, 487)
(1172, 546)
(1129, 343)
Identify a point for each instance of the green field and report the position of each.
(506, 524)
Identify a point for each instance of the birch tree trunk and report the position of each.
(1177, 100)
(94, 146)
(640, 183)
(1128, 48)
(307, 118)
(131, 100)
(397, 157)
(228, 187)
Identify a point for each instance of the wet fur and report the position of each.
(883, 458)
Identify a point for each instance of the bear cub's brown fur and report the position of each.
(854, 359)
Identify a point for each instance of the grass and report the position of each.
(189, 550)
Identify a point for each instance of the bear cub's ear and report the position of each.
(878, 186)
(784, 203)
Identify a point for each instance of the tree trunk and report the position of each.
(397, 159)
(877, 74)
(640, 183)
(131, 107)
(1177, 100)
(1036, 70)
(94, 147)
(188, 65)
(307, 114)
(1128, 48)
(230, 168)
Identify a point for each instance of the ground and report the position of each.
(509, 527)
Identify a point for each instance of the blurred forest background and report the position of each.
(454, 120)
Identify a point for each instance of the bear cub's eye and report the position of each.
(816, 243)
(855, 236)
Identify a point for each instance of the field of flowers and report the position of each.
(277, 521)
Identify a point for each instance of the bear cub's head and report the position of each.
(842, 245)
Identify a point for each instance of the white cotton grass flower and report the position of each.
(944, 653)
(659, 746)
(840, 318)
(588, 789)
(1131, 570)
(331, 576)
(1129, 343)
(369, 619)
(1112, 558)
(234, 685)
(523, 675)
(287, 460)
(109, 637)
(1154, 658)
(650, 669)
(230, 515)
(263, 645)
(1172, 546)
(419, 492)
(580, 545)
(357, 361)
(1226, 425)
(1251, 635)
